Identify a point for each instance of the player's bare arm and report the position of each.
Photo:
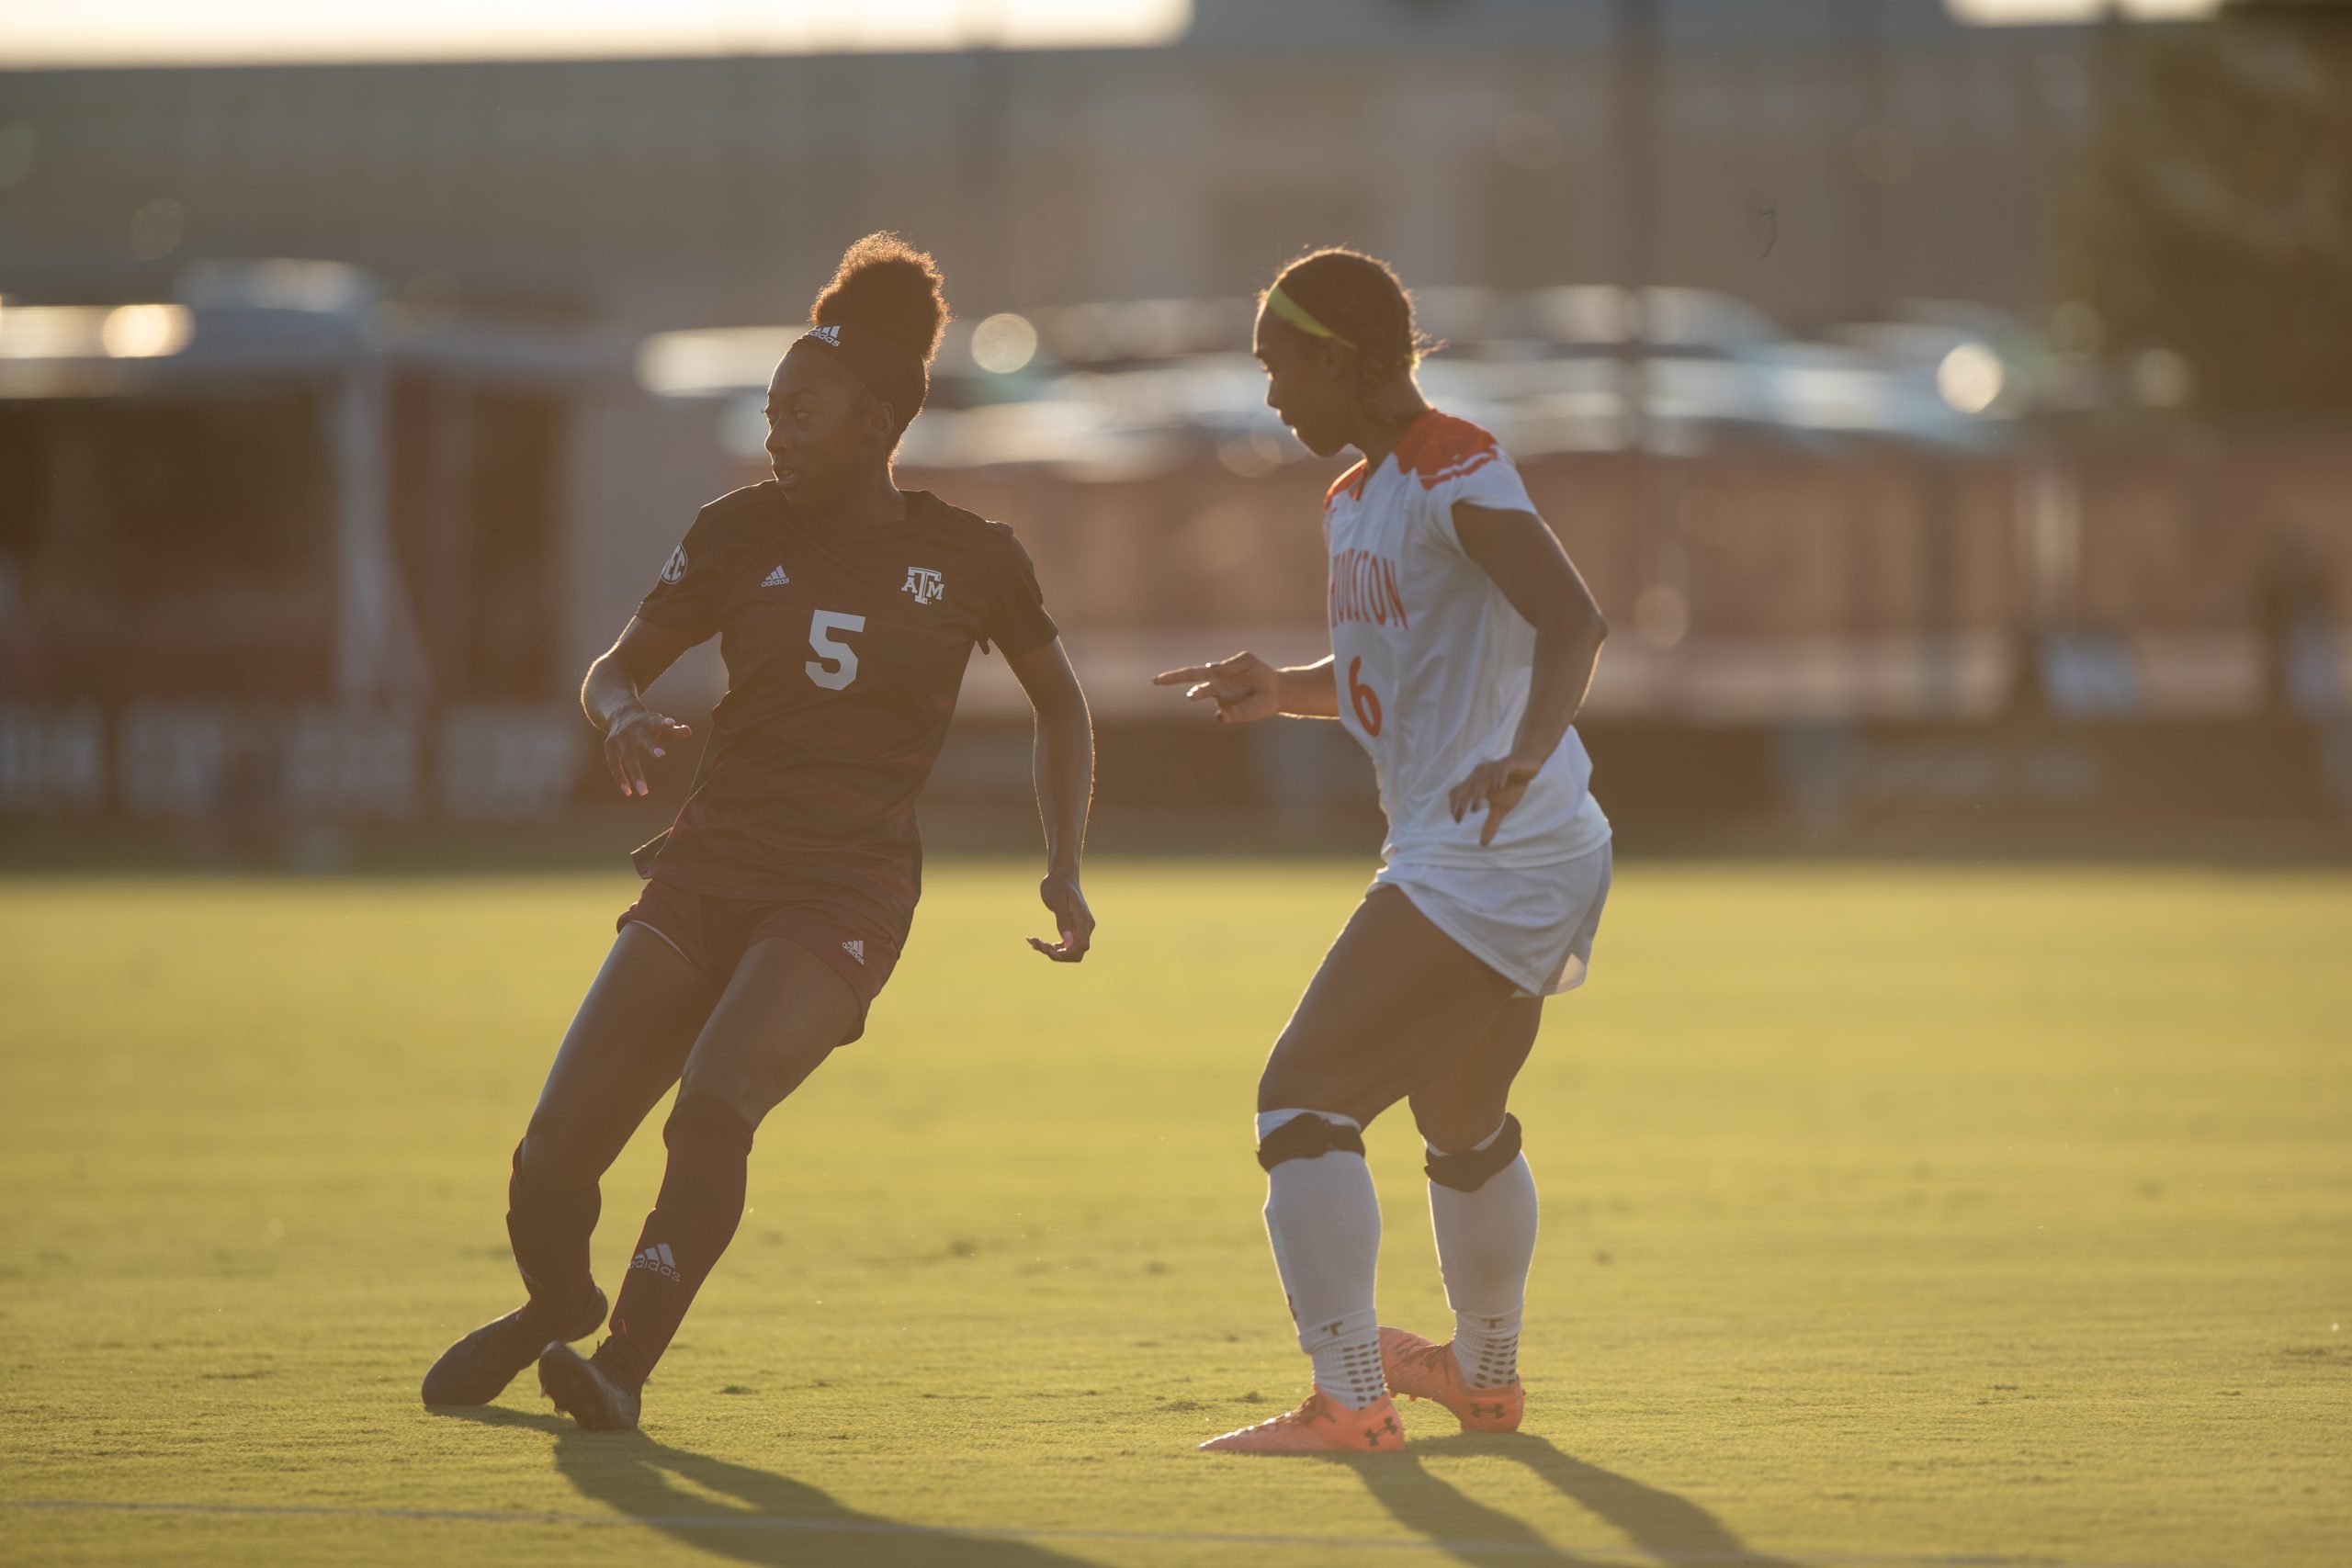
(1526, 562)
(1063, 765)
(612, 698)
(1247, 688)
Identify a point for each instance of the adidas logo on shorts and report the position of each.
(855, 948)
(657, 1258)
(776, 579)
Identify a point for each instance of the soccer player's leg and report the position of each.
(1482, 1210)
(1395, 1000)
(621, 1055)
(781, 1015)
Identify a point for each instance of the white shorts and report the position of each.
(1533, 924)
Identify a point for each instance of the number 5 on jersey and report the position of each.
(835, 665)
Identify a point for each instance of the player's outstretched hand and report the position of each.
(1071, 917)
(1244, 687)
(633, 738)
(1495, 786)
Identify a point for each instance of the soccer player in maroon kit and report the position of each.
(777, 904)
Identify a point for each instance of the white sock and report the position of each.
(1324, 1219)
(1485, 1242)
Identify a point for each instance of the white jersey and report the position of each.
(1431, 661)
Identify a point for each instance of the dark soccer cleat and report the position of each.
(586, 1392)
(477, 1369)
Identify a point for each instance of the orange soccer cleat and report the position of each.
(1420, 1370)
(1321, 1426)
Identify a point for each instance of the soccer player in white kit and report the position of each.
(1463, 644)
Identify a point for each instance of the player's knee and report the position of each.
(1356, 1084)
(548, 1161)
(1287, 1082)
(751, 1087)
(1309, 1136)
(1472, 1167)
(742, 1092)
(706, 1120)
(1454, 1122)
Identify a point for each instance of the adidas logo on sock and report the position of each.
(776, 579)
(855, 948)
(657, 1258)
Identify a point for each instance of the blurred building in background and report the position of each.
(344, 411)
(1820, 159)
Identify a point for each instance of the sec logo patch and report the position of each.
(675, 567)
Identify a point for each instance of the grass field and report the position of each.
(1891, 1215)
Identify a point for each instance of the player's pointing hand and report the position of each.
(1496, 787)
(1244, 687)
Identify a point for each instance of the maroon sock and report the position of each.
(693, 1220)
(550, 1217)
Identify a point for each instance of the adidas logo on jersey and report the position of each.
(855, 948)
(831, 334)
(657, 1258)
(776, 579)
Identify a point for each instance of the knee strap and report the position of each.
(709, 1120)
(1308, 1137)
(1473, 1169)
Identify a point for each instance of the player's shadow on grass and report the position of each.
(749, 1516)
(1670, 1529)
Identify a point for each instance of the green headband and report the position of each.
(1297, 315)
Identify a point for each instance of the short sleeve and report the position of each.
(691, 589)
(1489, 479)
(1015, 618)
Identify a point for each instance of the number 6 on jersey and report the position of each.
(1366, 700)
(835, 665)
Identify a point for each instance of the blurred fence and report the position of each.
(1943, 416)
(251, 765)
(1772, 585)
(2060, 637)
(266, 783)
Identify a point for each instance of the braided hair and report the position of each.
(1361, 297)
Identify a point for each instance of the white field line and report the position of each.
(1601, 1556)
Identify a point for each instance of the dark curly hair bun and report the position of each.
(885, 285)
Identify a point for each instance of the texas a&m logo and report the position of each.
(926, 585)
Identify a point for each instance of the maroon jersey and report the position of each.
(845, 649)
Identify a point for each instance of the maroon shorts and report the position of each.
(713, 934)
